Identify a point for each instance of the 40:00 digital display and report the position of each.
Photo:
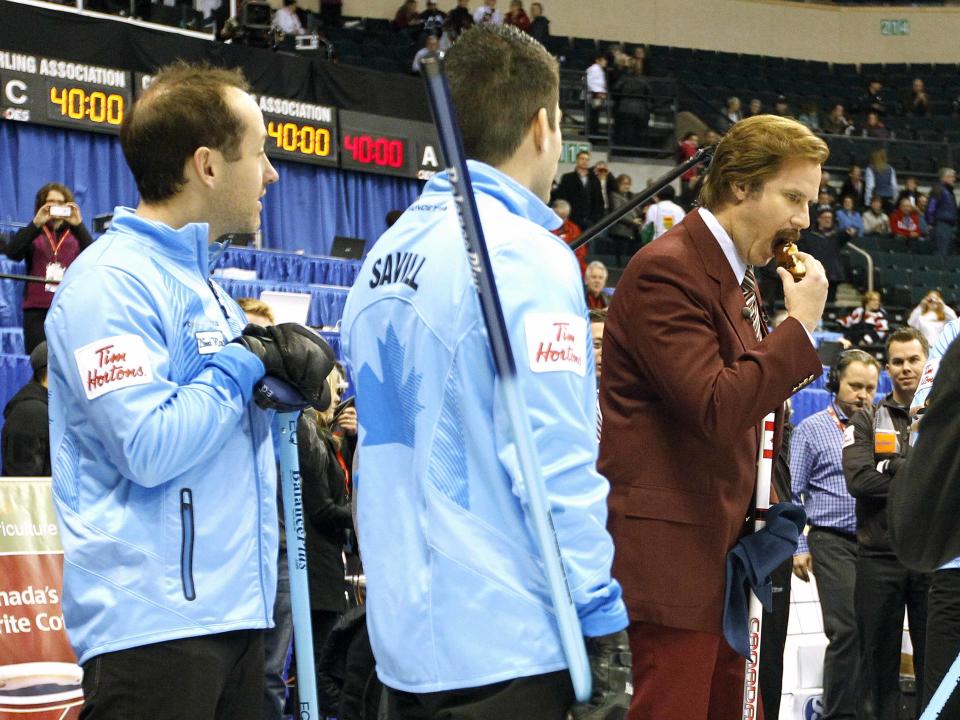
(374, 150)
(305, 139)
(94, 106)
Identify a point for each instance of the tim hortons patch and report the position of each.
(113, 363)
(556, 342)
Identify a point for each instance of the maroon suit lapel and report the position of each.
(718, 267)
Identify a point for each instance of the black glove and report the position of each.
(295, 355)
(610, 668)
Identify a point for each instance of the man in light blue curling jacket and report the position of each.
(163, 466)
(459, 614)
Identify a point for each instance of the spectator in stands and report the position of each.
(576, 187)
(595, 280)
(922, 203)
(517, 16)
(829, 551)
(755, 108)
(460, 18)
(287, 21)
(853, 185)
(598, 318)
(931, 315)
(874, 127)
(825, 201)
(596, 91)
(326, 507)
(824, 243)
(867, 324)
(691, 179)
(430, 45)
(905, 221)
(433, 18)
(872, 100)
(630, 93)
(639, 56)
(910, 191)
(849, 221)
(539, 24)
(49, 243)
(836, 122)
(25, 440)
(875, 220)
(732, 110)
(625, 233)
(826, 187)
(407, 17)
(602, 189)
(781, 107)
(880, 180)
(488, 13)
(810, 116)
(569, 231)
(665, 213)
(918, 103)
(875, 448)
(941, 212)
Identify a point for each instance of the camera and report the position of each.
(60, 211)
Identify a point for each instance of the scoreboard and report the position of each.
(93, 98)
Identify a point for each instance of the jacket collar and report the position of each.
(490, 181)
(187, 244)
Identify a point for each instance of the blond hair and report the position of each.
(752, 152)
(252, 306)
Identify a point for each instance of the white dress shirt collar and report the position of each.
(725, 242)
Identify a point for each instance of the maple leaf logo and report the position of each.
(389, 406)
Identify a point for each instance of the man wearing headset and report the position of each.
(830, 550)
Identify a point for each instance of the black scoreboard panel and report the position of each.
(391, 146)
(65, 94)
(300, 131)
(87, 97)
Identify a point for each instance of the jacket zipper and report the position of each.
(186, 544)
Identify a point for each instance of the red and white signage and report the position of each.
(556, 342)
(113, 363)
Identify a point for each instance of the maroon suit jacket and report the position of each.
(685, 386)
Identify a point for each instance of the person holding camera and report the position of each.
(49, 244)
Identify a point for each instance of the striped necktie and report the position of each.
(749, 287)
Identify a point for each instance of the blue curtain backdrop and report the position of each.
(304, 211)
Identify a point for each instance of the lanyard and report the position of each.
(836, 418)
(55, 246)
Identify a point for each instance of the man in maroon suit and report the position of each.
(689, 372)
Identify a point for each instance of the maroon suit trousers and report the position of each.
(684, 675)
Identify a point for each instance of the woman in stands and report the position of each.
(326, 504)
(867, 324)
(517, 16)
(49, 244)
(881, 180)
(931, 315)
(849, 220)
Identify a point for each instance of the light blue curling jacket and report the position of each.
(456, 593)
(163, 468)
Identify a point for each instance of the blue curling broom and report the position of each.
(286, 425)
(537, 506)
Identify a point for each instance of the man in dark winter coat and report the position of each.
(26, 431)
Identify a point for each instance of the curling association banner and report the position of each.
(39, 677)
